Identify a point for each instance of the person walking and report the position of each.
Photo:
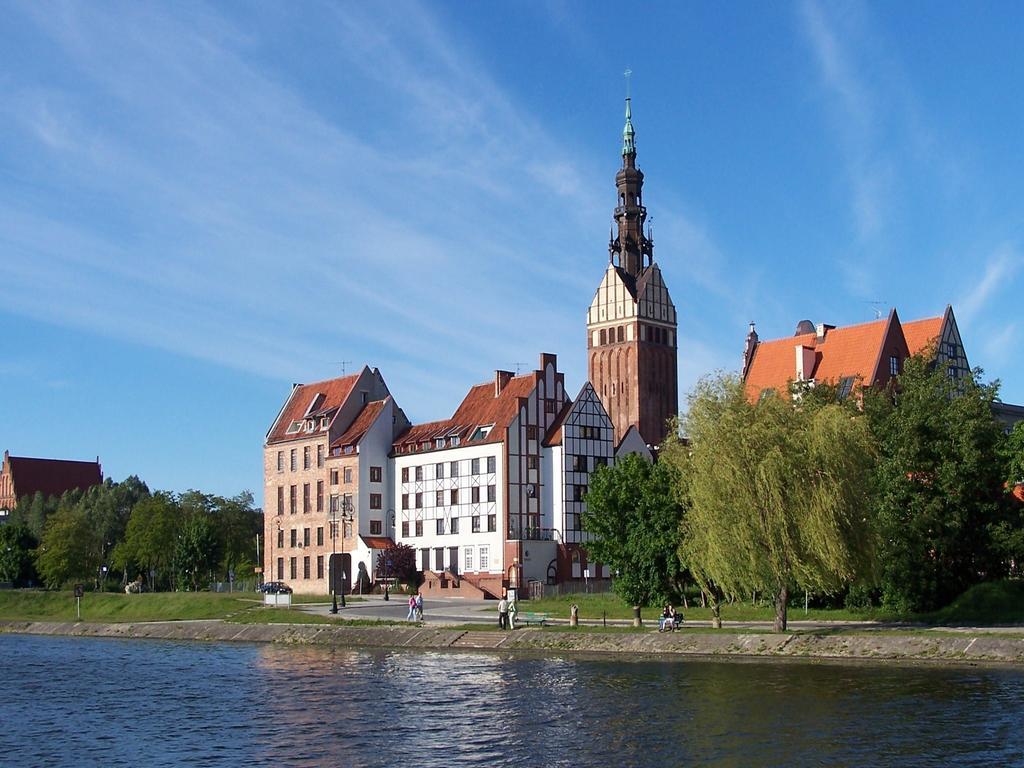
(412, 608)
(503, 613)
(513, 610)
(419, 606)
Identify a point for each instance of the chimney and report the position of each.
(822, 329)
(547, 357)
(804, 362)
(748, 349)
(501, 378)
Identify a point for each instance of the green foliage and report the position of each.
(33, 512)
(69, 548)
(776, 492)
(196, 549)
(17, 554)
(992, 602)
(940, 487)
(634, 517)
(150, 537)
(397, 562)
(1012, 453)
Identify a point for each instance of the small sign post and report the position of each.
(79, 591)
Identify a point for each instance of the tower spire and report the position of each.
(628, 134)
(631, 245)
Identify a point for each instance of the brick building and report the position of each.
(631, 324)
(22, 476)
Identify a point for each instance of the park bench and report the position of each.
(532, 617)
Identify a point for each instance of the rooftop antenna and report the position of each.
(877, 307)
(344, 365)
(518, 366)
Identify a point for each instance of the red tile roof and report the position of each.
(52, 477)
(854, 350)
(378, 542)
(480, 408)
(361, 424)
(332, 392)
(921, 333)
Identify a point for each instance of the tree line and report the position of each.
(116, 533)
(902, 497)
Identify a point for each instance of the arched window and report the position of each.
(604, 337)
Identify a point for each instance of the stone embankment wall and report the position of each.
(869, 645)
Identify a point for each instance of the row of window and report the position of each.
(307, 460)
(453, 497)
(452, 467)
(376, 529)
(452, 526)
(578, 462)
(293, 568)
(339, 502)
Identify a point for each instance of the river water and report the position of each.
(85, 702)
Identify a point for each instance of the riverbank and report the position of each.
(874, 646)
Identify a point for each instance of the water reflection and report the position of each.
(84, 702)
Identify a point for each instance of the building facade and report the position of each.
(21, 476)
(631, 324)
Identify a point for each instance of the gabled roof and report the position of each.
(851, 351)
(921, 333)
(378, 542)
(52, 477)
(479, 408)
(316, 400)
(361, 425)
(635, 285)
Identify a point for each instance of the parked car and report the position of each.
(274, 588)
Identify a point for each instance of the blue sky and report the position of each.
(200, 204)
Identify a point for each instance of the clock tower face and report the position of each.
(631, 324)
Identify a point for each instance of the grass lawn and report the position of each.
(116, 607)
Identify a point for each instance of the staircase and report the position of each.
(478, 639)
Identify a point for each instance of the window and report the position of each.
(604, 336)
(374, 501)
(419, 474)
(293, 493)
(579, 463)
(600, 461)
(439, 559)
(280, 538)
(305, 457)
(294, 536)
(305, 567)
(484, 563)
(333, 530)
(531, 432)
(419, 527)
(335, 503)
(294, 460)
(280, 499)
(454, 467)
(376, 528)
(319, 566)
(320, 455)
(292, 568)
(580, 492)
(348, 475)
(474, 494)
(492, 493)
(951, 350)
(334, 477)
(492, 523)
(491, 464)
(439, 498)
(454, 440)
(376, 474)
(305, 537)
(280, 461)
(319, 495)
(454, 525)
(467, 559)
(531, 462)
(455, 496)
(405, 501)
(440, 526)
(346, 503)
(845, 386)
(405, 474)
(621, 333)
(474, 467)
(475, 523)
(419, 500)
(549, 405)
(280, 568)
(405, 529)
(305, 498)
(894, 365)
(439, 471)
(439, 442)
(320, 536)
(953, 373)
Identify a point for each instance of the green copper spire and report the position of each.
(628, 145)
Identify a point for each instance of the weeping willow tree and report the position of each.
(777, 493)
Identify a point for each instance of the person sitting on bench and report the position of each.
(668, 619)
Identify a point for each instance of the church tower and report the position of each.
(631, 324)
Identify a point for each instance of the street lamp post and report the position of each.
(346, 516)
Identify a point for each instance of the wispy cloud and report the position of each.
(1001, 269)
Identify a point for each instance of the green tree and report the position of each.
(1008, 533)
(238, 522)
(634, 518)
(17, 554)
(778, 493)
(67, 551)
(196, 550)
(33, 511)
(150, 537)
(940, 485)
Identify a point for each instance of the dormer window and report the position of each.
(454, 440)
(294, 427)
(482, 432)
(325, 423)
(310, 425)
(439, 442)
(845, 387)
